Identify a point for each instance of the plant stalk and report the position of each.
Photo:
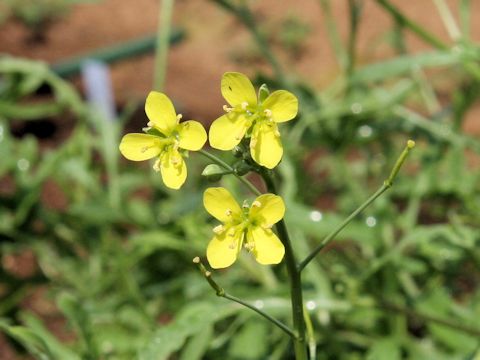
(220, 291)
(385, 186)
(230, 169)
(294, 274)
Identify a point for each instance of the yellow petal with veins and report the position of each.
(160, 112)
(139, 147)
(222, 251)
(268, 249)
(173, 169)
(221, 204)
(282, 104)
(191, 135)
(265, 146)
(267, 209)
(237, 88)
(227, 131)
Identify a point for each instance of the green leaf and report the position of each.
(59, 350)
(30, 340)
(198, 344)
(386, 348)
(191, 320)
(251, 341)
(404, 64)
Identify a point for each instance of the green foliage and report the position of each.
(114, 248)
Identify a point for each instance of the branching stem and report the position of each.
(385, 186)
(295, 279)
(222, 293)
(227, 167)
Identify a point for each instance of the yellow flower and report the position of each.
(252, 118)
(250, 226)
(165, 139)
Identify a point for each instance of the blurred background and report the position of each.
(96, 252)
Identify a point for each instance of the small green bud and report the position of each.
(263, 93)
(213, 172)
(238, 151)
(241, 168)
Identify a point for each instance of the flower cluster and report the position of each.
(250, 117)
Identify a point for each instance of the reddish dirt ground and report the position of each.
(213, 44)
(214, 40)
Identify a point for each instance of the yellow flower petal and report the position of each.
(267, 209)
(265, 146)
(227, 131)
(173, 169)
(160, 112)
(268, 249)
(221, 204)
(282, 104)
(139, 147)
(223, 249)
(237, 88)
(191, 135)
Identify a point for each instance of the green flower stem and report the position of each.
(385, 186)
(295, 279)
(222, 293)
(163, 42)
(413, 26)
(230, 170)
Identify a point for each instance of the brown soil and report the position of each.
(215, 43)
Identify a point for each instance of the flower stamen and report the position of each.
(249, 246)
(156, 165)
(218, 229)
(256, 203)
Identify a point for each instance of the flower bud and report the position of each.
(238, 151)
(263, 93)
(213, 172)
(241, 168)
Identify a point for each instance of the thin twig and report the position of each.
(385, 186)
(222, 293)
(231, 170)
